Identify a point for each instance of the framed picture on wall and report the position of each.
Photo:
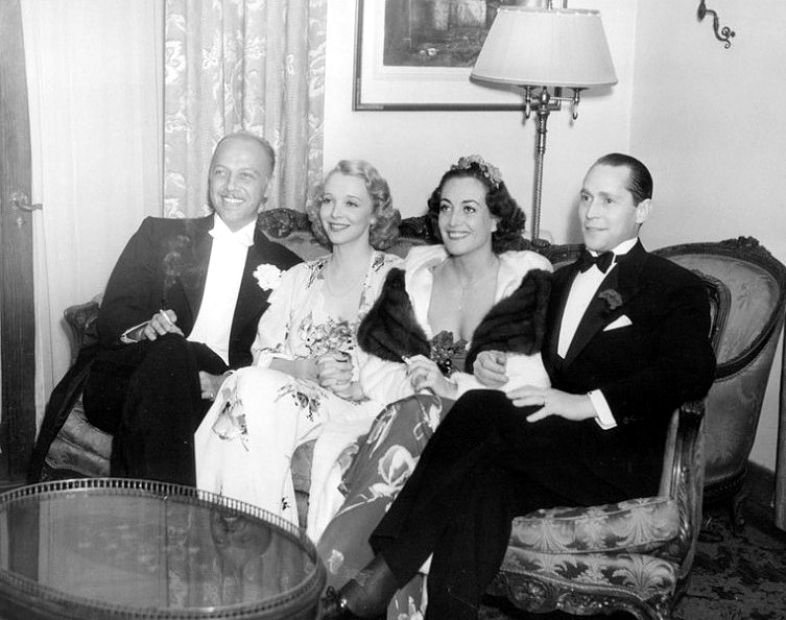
(418, 55)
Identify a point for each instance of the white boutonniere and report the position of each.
(268, 276)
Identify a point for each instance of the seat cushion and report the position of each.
(79, 446)
(646, 576)
(634, 525)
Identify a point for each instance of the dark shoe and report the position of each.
(333, 606)
(365, 596)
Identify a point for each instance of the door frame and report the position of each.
(17, 316)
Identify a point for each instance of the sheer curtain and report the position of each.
(95, 80)
(256, 65)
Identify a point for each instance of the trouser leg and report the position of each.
(435, 495)
(468, 554)
(162, 410)
(106, 388)
(483, 466)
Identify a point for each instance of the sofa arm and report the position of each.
(81, 323)
(683, 481)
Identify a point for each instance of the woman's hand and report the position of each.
(210, 384)
(334, 371)
(301, 368)
(424, 374)
(489, 368)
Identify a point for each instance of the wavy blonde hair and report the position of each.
(383, 231)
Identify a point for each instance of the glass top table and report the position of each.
(121, 548)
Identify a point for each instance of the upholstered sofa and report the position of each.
(633, 556)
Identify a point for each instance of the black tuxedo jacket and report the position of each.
(164, 265)
(645, 369)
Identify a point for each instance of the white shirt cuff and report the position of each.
(603, 415)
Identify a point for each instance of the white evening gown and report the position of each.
(245, 443)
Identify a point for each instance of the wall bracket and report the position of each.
(723, 34)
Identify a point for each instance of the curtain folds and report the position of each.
(256, 65)
(127, 100)
(93, 78)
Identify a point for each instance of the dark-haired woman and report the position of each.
(449, 306)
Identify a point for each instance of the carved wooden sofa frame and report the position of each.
(533, 576)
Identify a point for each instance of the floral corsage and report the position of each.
(268, 276)
(444, 351)
(330, 337)
(612, 298)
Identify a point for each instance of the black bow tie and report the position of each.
(603, 261)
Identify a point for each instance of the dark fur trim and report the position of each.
(517, 323)
(390, 329)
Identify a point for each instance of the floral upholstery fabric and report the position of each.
(80, 447)
(634, 525)
(645, 575)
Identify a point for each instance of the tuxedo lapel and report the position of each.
(595, 318)
(194, 277)
(251, 298)
(186, 247)
(623, 279)
(560, 293)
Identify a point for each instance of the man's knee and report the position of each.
(486, 408)
(167, 346)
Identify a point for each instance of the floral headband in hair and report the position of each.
(489, 171)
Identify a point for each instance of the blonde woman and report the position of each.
(304, 383)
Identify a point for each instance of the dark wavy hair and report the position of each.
(383, 231)
(639, 177)
(502, 206)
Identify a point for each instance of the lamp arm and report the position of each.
(574, 103)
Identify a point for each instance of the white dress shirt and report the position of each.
(582, 291)
(222, 284)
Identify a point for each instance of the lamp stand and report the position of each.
(544, 104)
(540, 152)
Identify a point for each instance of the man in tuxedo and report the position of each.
(180, 310)
(626, 343)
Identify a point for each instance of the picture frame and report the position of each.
(411, 56)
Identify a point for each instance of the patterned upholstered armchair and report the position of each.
(756, 290)
(635, 556)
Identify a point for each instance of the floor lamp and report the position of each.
(543, 51)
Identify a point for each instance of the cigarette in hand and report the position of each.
(166, 317)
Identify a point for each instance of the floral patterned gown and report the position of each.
(386, 456)
(260, 416)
